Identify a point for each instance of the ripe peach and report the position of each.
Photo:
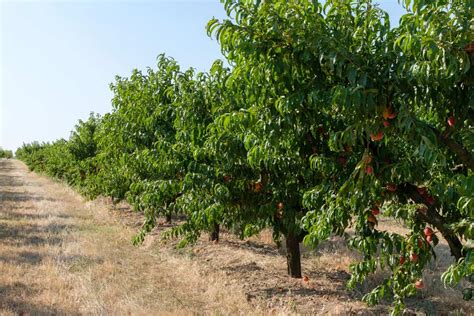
(451, 121)
(372, 219)
(258, 187)
(375, 211)
(392, 115)
(419, 284)
(376, 137)
(388, 113)
(402, 260)
(428, 231)
(369, 170)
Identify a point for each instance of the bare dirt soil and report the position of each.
(60, 254)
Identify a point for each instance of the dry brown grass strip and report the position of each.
(61, 255)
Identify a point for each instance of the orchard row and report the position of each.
(4, 153)
(327, 118)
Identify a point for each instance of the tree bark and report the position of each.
(461, 153)
(293, 256)
(430, 215)
(168, 217)
(215, 233)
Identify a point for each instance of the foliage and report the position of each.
(4, 153)
(354, 113)
(70, 160)
(327, 117)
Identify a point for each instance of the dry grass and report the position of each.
(62, 255)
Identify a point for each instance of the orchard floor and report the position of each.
(60, 254)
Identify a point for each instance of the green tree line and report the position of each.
(5, 153)
(326, 118)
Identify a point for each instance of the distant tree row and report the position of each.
(4, 153)
(327, 119)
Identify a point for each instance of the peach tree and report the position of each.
(136, 141)
(182, 178)
(352, 118)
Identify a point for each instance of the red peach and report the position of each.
(375, 211)
(369, 170)
(419, 284)
(376, 137)
(451, 121)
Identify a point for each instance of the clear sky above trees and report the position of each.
(58, 57)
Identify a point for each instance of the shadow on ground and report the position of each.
(254, 247)
(27, 234)
(8, 196)
(14, 298)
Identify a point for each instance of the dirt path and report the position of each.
(61, 255)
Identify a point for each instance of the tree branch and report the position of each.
(464, 156)
(430, 215)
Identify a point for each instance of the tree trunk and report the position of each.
(168, 217)
(215, 234)
(293, 257)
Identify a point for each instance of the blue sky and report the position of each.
(58, 57)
